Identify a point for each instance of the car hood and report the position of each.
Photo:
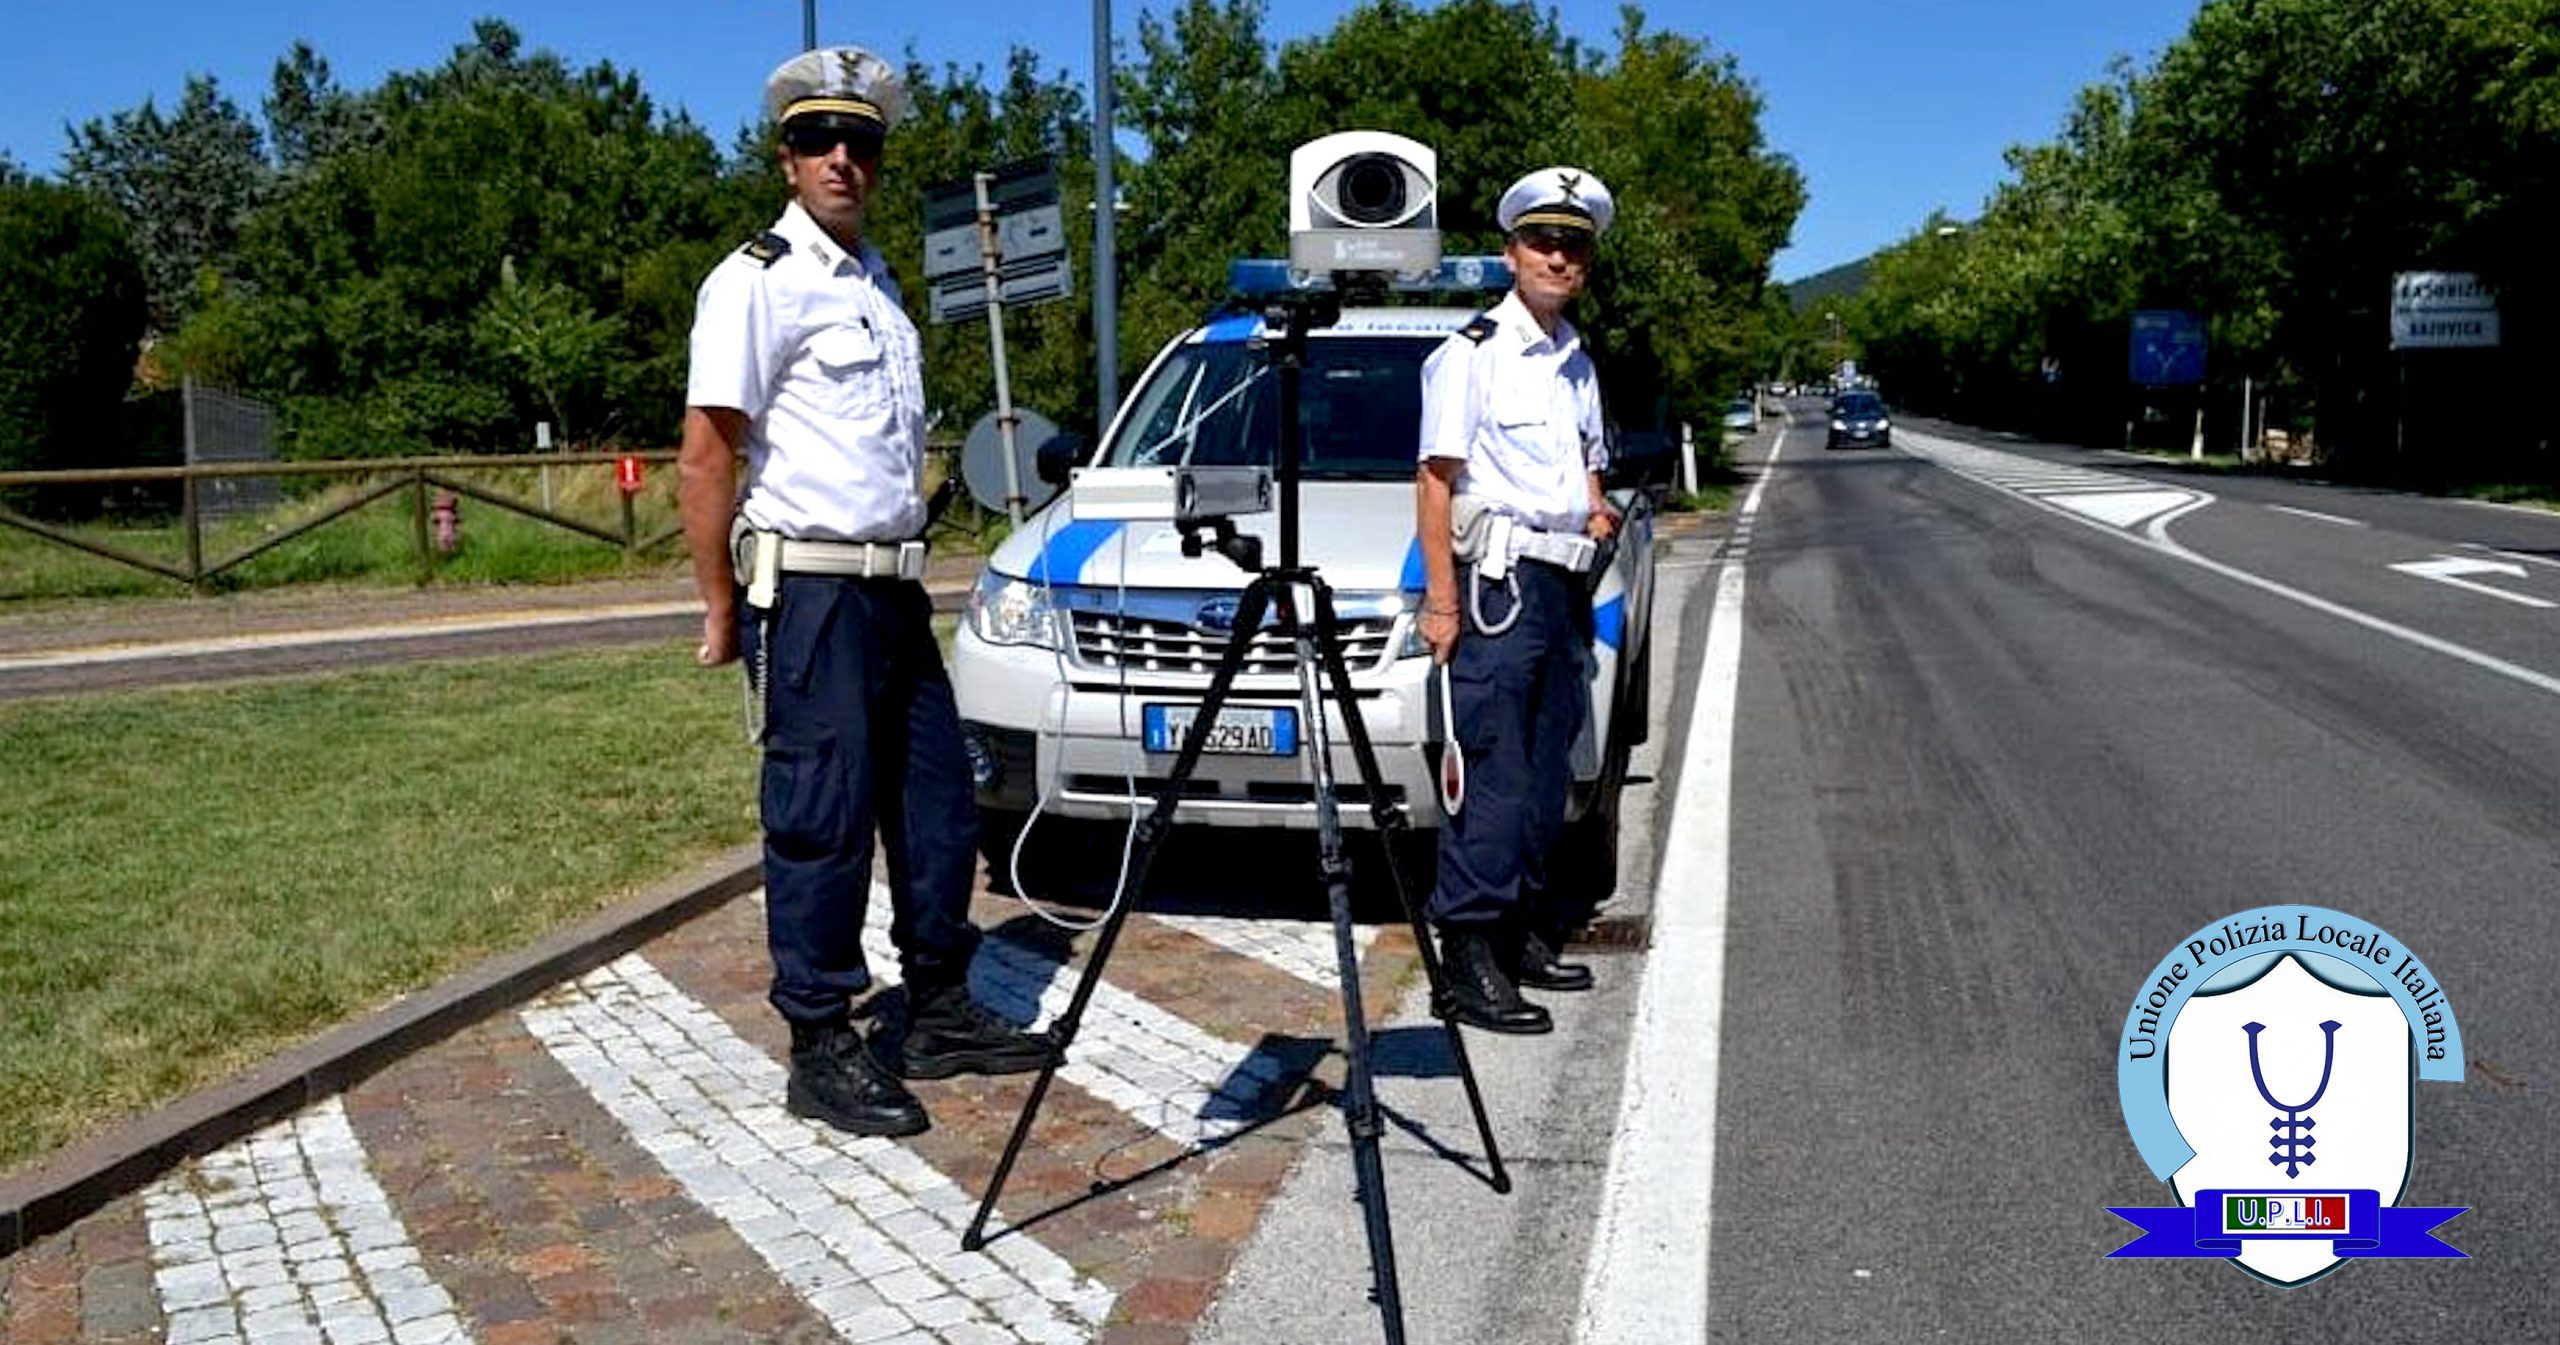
(1358, 533)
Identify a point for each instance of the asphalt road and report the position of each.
(2012, 722)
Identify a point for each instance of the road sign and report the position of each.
(2167, 349)
(2442, 310)
(982, 466)
(1031, 241)
(955, 298)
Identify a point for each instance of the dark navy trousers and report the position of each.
(1519, 699)
(860, 732)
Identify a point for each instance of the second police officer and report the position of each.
(805, 365)
(1510, 514)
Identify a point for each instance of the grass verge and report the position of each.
(193, 880)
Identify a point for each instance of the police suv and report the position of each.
(1089, 642)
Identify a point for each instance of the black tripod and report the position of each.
(1316, 635)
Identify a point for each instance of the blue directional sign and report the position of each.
(2167, 349)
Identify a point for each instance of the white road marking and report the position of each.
(285, 1238)
(2121, 508)
(1647, 1276)
(407, 630)
(2450, 569)
(2155, 536)
(1189, 1085)
(2317, 516)
(864, 1230)
(2518, 556)
(1302, 948)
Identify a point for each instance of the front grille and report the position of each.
(1110, 641)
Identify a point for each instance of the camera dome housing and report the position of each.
(1364, 202)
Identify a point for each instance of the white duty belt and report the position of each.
(1493, 540)
(764, 557)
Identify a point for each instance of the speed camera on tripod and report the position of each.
(1364, 202)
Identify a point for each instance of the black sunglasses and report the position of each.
(810, 142)
(1547, 238)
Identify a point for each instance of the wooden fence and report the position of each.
(419, 476)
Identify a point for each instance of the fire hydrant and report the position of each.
(445, 523)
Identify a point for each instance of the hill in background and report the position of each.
(1840, 282)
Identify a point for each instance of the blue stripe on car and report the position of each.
(1411, 581)
(1609, 620)
(1062, 560)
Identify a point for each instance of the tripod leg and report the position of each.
(1360, 1107)
(1393, 826)
(1360, 1096)
(1151, 834)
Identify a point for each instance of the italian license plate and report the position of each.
(1240, 730)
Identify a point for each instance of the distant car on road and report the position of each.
(1859, 420)
(1742, 415)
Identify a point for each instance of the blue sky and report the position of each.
(1891, 108)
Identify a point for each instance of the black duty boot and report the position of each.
(835, 1080)
(1479, 993)
(949, 1033)
(1541, 969)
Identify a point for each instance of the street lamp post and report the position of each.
(808, 25)
(1106, 261)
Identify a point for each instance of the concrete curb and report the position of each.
(77, 1180)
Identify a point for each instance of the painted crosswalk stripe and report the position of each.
(2117, 501)
(1186, 1084)
(1182, 1082)
(285, 1238)
(867, 1232)
(1302, 948)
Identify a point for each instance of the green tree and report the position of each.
(356, 295)
(310, 118)
(550, 338)
(1680, 304)
(71, 316)
(1676, 311)
(185, 183)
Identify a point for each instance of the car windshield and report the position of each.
(1861, 406)
(1218, 403)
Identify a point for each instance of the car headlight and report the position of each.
(1006, 610)
(1840, 425)
(1883, 425)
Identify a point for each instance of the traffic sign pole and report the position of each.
(991, 261)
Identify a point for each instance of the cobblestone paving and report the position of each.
(1302, 948)
(612, 1164)
(286, 1239)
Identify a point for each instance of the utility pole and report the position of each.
(1106, 260)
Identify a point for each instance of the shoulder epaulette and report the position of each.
(1483, 326)
(767, 247)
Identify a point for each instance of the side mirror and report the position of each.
(1640, 459)
(1061, 455)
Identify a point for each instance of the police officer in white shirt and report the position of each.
(1510, 513)
(805, 365)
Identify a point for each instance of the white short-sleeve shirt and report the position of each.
(817, 350)
(1522, 411)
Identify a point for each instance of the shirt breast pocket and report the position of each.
(1521, 407)
(852, 370)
